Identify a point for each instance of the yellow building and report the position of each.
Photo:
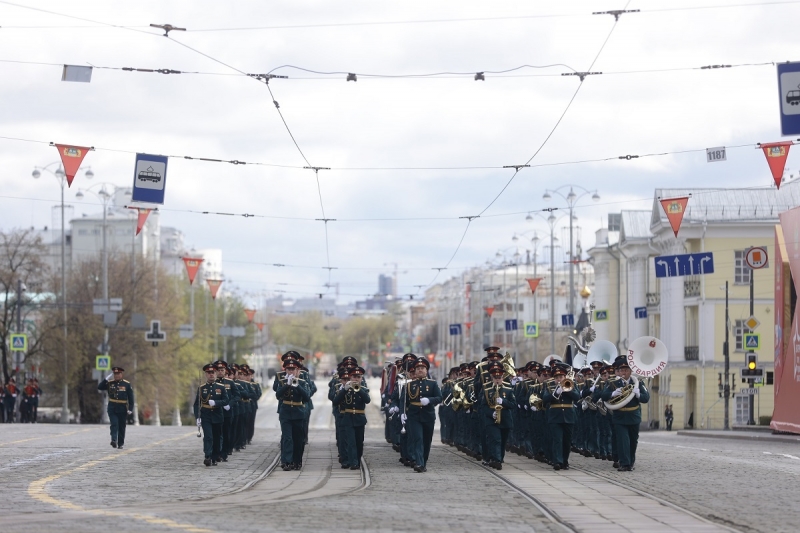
(687, 312)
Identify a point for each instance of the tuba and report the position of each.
(647, 357)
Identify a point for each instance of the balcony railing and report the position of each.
(691, 353)
(653, 299)
(691, 288)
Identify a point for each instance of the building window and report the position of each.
(739, 330)
(741, 272)
(770, 378)
(83, 232)
(614, 221)
(544, 306)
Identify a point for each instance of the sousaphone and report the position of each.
(549, 358)
(602, 350)
(647, 357)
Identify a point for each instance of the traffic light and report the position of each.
(751, 361)
(751, 369)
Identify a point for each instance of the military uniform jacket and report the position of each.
(233, 396)
(202, 407)
(487, 401)
(351, 405)
(257, 388)
(560, 408)
(631, 413)
(120, 394)
(423, 388)
(293, 401)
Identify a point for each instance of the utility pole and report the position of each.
(751, 381)
(726, 352)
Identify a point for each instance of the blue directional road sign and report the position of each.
(531, 329)
(567, 320)
(670, 266)
(752, 341)
(511, 324)
(149, 178)
(455, 329)
(640, 312)
(789, 94)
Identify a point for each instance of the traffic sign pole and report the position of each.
(751, 421)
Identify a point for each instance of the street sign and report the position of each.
(756, 257)
(601, 315)
(112, 305)
(567, 320)
(186, 331)
(455, 329)
(789, 94)
(715, 154)
(752, 323)
(149, 178)
(18, 342)
(670, 266)
(640, 312)
(155, 335)
(751, 341)
(752, 391)
(102, 362)
(531, 329)
(231, 331)
(511, 324)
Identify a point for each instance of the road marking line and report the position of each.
(673, 446)
(38, 491)
(47, 437)
(790, 456)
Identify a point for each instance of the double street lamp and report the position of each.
(551, 220)
(62, 180)
(571, 198)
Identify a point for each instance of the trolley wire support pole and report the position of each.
(581, 75)
(167, 28)
(517, 167)
(616, 12)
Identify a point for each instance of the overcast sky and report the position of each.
(410, 133)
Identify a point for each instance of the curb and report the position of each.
(741, 435)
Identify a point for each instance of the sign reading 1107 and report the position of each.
(669, 266)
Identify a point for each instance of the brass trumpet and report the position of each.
(569, 382)
(356, 387)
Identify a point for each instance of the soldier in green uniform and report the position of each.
(626, 419)
(120, 404)
(293, 395)
(233, 402)
(351, 400)
(423, 396)
(494, 407)
(561, 416)
(210, 402)
(544, 444)
(254, 404)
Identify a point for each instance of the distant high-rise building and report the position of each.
(387, 285)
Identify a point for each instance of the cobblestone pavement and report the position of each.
(67, 478)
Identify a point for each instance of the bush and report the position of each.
(764, 420)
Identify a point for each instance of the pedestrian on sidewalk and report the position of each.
(120, 404)
(668, 417)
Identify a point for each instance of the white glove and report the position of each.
(341, 386)
(526, 407)
(199, 422)
(13, 395)
(393, 409)
(469, 411)
(383, 396)
(108, 377)
(499, 401)
(424, 401)
(559, 390)
(348, 384)
(289, 379)
(403, 417)
(130, 412)
(591, 389)
(212, 403)
(533, 409)
(494, 415)
(227, 407)
(636, 392)
(616, 393)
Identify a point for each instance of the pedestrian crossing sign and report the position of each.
(600, 315)
(531, 329)
(102, 362)
(19, 342)
(752, 341)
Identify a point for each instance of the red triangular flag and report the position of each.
(469, 325)
(251, 313)
(260, 325)
(71, 158)
(776, 154)
(213, 285)
(675, 208)
(192, 266)
(489, 311)
(533, 282)
(143, 213)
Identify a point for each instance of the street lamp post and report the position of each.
(571, 199)
(552, 220)
(61, 177)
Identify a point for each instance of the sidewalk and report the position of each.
(739, 435)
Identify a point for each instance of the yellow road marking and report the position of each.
(57, 435)
(38, 491)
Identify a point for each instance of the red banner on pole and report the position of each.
(489, 310)
(533, 282)
(260, 326)
(71, 158)
(251, 313)
(675, 209)
(469, 325)
(142, 214)
(213, 285)
(776, 154)
(192, 266)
